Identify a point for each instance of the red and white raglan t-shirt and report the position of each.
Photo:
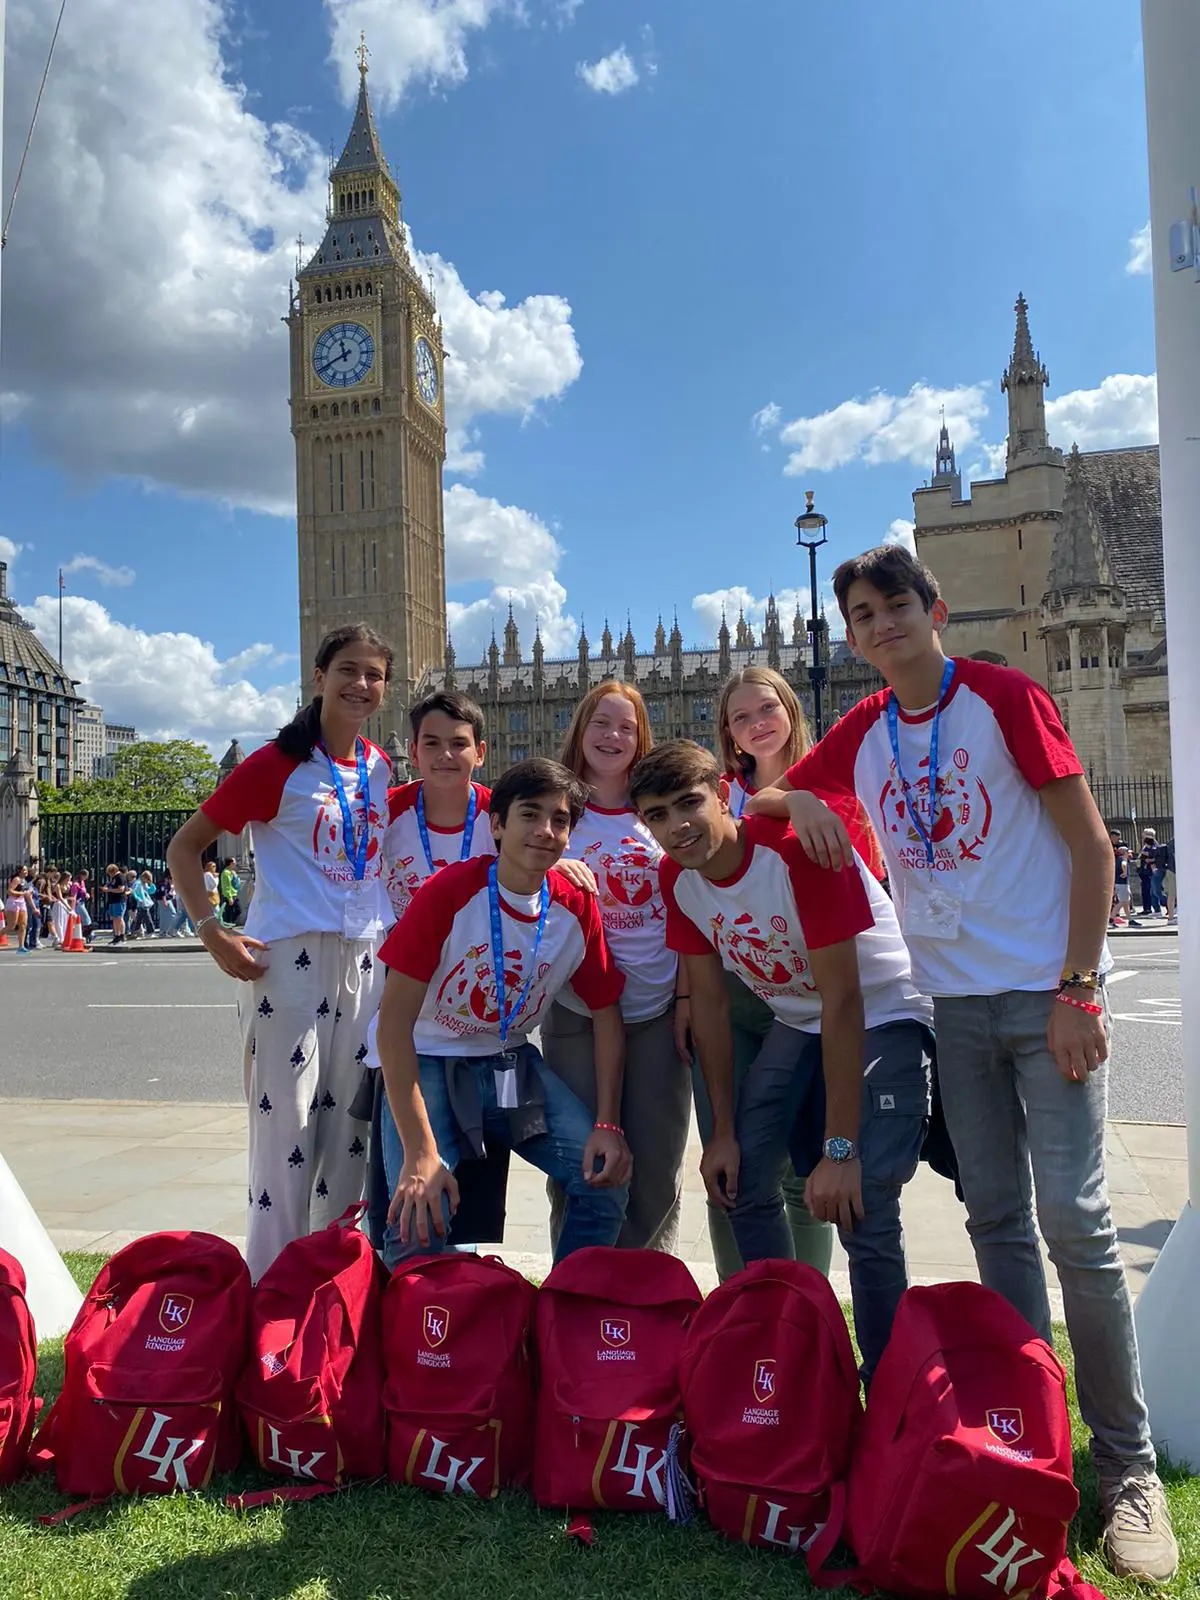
(302, 874)
(624, 855)
(997, 853)
(862, 835)
(444, 940)
(766, 917)
(405, 864)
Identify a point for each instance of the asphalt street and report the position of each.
(163, 1026)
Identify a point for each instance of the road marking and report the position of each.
(1115, 977)
(1131, 1016)
(160, 1005)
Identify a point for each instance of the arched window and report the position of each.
(368, 285)
(375, 407)
(358, 291)
(334, 409)
(341, 202)
(370, 197)
(328, 295)
(354, 408)
(314, 413)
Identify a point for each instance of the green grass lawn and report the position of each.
(372, 1543)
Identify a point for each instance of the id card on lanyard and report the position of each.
(928, 908)
(506, 1077)
(468, 827)
(360, 918)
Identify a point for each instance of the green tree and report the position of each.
(176, 776)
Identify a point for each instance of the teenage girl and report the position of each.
(16, 912)
(609, 733)
(315, 799)
(762, 731)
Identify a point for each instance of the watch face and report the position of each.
(425, 362)
(343, 355)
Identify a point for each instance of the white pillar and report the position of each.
(1168, 1312)
(53, 1297)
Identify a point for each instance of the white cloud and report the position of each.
(113, 577)
(516, 554)
(1140, 261)
(900, 531)
(883, 428)
(123, 668)
(710, 607)
(565, 11)
(767, 419)
(612, 74)
(410, 41)
(9, 549)
(1122, 410)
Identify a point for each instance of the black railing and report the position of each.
(1131, 804)
(96, 839)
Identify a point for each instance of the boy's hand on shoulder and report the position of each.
(613, 1153)
(424, 1179)
(580, 875)
(1078, 1040)
(821, 832)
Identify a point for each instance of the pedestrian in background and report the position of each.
(83, 911)
(58, 909)
(143, 906)
(114, 898)
(34, 883)
(1150, 900)
(229, 888)
(16, 913)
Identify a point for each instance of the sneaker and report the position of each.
(1133, 923)
(1138, 1538)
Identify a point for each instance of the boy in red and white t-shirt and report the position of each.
(971, 780)
(824, 951)
(458, 1068)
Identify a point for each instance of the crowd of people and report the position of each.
(1155, 868)
(784, 939)
(131, 904)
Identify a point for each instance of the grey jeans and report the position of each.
(1021, 1131)
(781, 1109)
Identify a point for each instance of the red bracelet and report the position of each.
(1080, 1005)
(607, 1127)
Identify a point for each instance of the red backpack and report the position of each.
(610, 1329)
(309, 1393)
(771, 1402)
(961, 1483)
(18, 1368)
(149, 1368)
(458, 1352)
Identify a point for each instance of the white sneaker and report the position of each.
(1138, 1538)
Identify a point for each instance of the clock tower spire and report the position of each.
(368, 421)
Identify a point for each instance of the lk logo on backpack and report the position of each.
(149, 1368)
(962, 1483)
(771, 1403)
(310, 1391)
(18, 1370)
(458, 1352)
(610, 1329)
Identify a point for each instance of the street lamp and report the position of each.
(814, 524)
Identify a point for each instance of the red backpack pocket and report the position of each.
(309, 1393)
(771, 1402)
(610, 1329)
(458, 1394)
(18, 1370)
(962, 1482)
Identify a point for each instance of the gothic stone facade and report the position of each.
(1057, 568)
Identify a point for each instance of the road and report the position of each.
(163, 1026)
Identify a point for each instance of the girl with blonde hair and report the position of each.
(609, 734)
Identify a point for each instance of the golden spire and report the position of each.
(363, 54)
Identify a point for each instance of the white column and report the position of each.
(1168, 1312)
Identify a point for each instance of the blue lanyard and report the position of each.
(742, 798)
(893, 719)
(468, 826)
(356, 851)
(507, 1013)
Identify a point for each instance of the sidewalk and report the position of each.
(102, 1172)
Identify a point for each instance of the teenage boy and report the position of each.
(473, 966)
(965, 768)
(841, 1082)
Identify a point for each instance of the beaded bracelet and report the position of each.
(607, 1127)
(1080, 1005)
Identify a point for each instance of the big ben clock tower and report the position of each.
(368, 420)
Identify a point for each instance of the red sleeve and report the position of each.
(414, 946)
(683, 936)
(832, 906)
(252, 791)
(401, 799)
(597, 980)
(1028, 718)
(830, 764)
(484, 796)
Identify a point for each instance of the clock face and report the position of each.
(425, 362)
(343, 355)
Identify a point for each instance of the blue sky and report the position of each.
(743, 251)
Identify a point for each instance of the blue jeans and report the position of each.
(593, 1216)
(1022, 1132)
(1158, 894)
(781, 1110)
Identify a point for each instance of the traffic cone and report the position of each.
(74, 942)
(3, 939)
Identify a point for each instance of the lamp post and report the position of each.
(814, 524)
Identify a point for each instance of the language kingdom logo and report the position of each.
(615, 1332)
(764, 1382)
(1006, 1424)
(436, 1326)
(175, 1312)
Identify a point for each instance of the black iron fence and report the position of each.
(96, 839)
(1131, 804)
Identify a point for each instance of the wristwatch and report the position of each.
(840, 1150)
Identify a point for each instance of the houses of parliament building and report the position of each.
(1056, 568)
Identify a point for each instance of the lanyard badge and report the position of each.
(505, 1012)
(468, 826)
(893, 720)
(356, 850)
